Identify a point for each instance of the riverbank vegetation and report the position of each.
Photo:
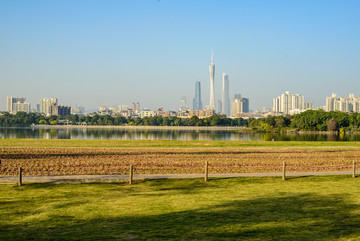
(308, 208)
(22, 119)
(311, 120)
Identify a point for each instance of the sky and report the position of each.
(112, 52)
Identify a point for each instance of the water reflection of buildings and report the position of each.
(151, 134)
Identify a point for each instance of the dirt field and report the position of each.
(165, 160)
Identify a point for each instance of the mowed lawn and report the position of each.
(303, 208)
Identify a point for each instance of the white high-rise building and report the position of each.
(276, 104)
(15, 104)
(225, 95)
(45, 105)
(123, 107)
(308, 105)
(212, 76)
(297, 102)
(345, 104)
(113, 109)
(239, 105)
(288, 103)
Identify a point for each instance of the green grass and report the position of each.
(306, 208)
(163, 143)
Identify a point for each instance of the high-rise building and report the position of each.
(137, 108)
(308, 105)
(219, 107)
(239, 105)
(225, 95)
(77, 110)
(212, 76)
(197, 103)
(183, 104)
(344, 104)
(15, 104)
(103, 108)
(45, 105)
(288, 103)
(54, 109)
(23, 107)
(123, 107)
(64, 110)
(113, 109)
(60, 110)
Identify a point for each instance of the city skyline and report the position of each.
(152, 51)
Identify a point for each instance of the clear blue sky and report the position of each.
(94, 53)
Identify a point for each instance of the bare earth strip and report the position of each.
(60, 161)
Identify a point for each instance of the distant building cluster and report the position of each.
(345, 104)
(124, 110)
(291, 104)
(47, 106)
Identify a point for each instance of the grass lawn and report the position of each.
(164, 143)
(306, 208)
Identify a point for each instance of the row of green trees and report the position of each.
(22, 119)
(312, 120)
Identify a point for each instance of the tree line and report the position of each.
(311, 120)
(22, 119)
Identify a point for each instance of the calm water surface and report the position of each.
(151, 134)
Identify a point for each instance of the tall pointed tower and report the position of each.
(212, 74)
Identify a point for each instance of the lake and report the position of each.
(164, 134)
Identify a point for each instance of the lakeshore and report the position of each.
(128, 127)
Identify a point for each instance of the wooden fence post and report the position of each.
(20, 176)
(284, 171)
(206, 171)
(131, 175)
(354, 168)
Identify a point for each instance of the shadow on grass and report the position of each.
(293, 217)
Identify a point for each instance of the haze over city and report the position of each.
(93, 53)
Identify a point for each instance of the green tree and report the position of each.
(177, 122)
(254, 123)
(43, 122)
(194, 120)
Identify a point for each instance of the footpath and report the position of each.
(125, 178)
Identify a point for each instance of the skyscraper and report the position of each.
(239, 105)
(15, 104)
(197, 104)
(225, 95)
(288, 103)
(219, 107)
(183, 103)
(212, 75)
(45, 105)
